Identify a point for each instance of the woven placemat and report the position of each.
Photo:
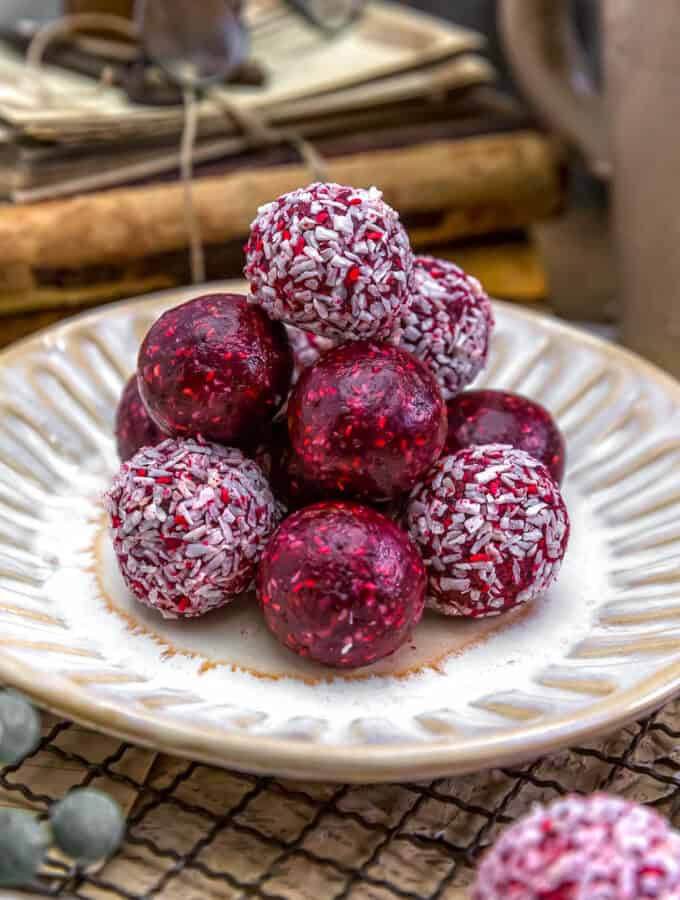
(199, 832)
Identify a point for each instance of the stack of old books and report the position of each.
(94, 208)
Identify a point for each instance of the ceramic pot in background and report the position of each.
(629, 135)
(111, 7)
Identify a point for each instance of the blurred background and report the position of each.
(481, 120)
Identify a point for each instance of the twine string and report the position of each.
(255, 127)
(187, 145)
(252, 125)
(65, 25)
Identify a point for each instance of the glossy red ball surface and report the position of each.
(367, 421)
(341, 584)
(500, 417)
(134, 427)
(215, 366)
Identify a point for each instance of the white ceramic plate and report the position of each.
(600, 649)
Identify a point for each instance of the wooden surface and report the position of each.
(638, 762)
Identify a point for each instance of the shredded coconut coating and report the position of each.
(448, 324)
(307, 347)
(599, 847)
(333, 260)
(189, 522)
(492, 527)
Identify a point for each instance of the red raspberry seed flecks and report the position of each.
(275, 458)
(341, 584)
(368, 420)
(134, 428)
(582, 848)
(189, 521)
(215, 366)
(342, 267)
(448, 323)
(492, 500)
(499, 417)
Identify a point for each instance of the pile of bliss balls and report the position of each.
(315, 440)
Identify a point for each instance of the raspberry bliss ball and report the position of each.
(583, 848)
(368, 420)
(333, 260)
(275, 459)
(341, 584)
(215, 366)
(448, 324)
(189, 522)
(499, 417)
(492, 527)
(134, 427)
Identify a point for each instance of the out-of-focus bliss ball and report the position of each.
(583, 848)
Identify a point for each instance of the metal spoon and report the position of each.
(196, 43)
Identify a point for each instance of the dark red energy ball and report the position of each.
(275, 458)
(215, 366)
(368, 420)
(134, 428)
(500, 417)
(341, 584)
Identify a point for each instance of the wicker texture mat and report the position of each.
(200, 832)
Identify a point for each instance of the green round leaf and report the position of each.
(23, 845)
(87, 825)
(19, 728)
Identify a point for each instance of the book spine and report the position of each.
(517, 174)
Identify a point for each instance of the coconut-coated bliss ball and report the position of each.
(448, 323)
(368, 420)
(307, 347)
(599, 847)
(134, 427)
(501, 417)
(341, 584)
(215, 366)
(333, 260)
(492, 527)
(189, 522)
